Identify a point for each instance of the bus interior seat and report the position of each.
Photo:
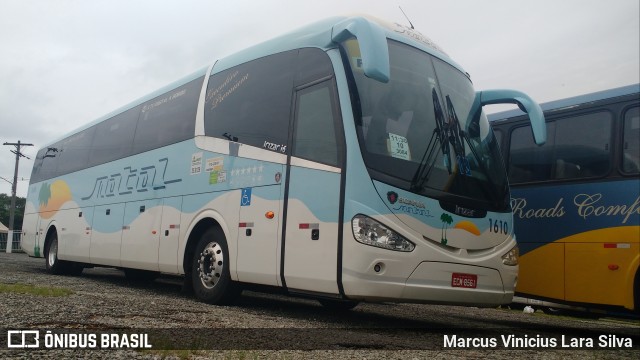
(567, 170)
(519, 174)
(630, 164)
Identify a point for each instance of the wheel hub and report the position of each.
(53, 253)
(210, 264)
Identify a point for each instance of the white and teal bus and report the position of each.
(349, 160)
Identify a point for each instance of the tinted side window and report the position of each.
(631, 141)
(313, 64)
(115, 137)
(528, 161)
(74, 151)
(582, 146)
(45, 164)
(577, 147)
(168, 118)
(252, 101)
(315, 136)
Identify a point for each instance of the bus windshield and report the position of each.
(416, 131)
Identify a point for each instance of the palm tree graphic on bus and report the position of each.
(446, 220)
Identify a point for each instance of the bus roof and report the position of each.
(318, 34)
(567, 103)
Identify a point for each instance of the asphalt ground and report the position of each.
(103, 315)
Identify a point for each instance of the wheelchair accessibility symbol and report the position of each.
(245, 199)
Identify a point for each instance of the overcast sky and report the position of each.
(66, 63)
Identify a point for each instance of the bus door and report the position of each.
(258, 231)
(310, 250)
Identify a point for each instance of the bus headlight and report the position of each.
(511, 258)
(371, 232)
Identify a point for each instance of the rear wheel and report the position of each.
(54, 265)
(210, 269)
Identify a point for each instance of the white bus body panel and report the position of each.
(170, 235)
(141, 238)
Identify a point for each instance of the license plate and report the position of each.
(464, 280)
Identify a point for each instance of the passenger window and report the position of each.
(45, 164)
(631, 140)
(315, 137)
(74, 151)
(582, 146)
(168, 118)
(251, 103)
(115, 138)
(577, 147)
(527, 161)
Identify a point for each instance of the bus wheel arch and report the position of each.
(192, 241)
(207, 264)
(53, 263)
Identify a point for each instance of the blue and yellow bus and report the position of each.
(349, 160)
(576, 201)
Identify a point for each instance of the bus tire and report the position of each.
(210, 274)
(54, 265)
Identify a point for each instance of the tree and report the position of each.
(446, 220)
(5, 208)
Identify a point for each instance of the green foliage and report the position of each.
(34, 290)
(5, 207)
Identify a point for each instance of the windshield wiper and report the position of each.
(428, 160)
(456, 134)
(458, 146)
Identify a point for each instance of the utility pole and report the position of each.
(12, 211)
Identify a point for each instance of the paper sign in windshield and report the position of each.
(399, 147)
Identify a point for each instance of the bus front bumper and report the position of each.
(433, 282)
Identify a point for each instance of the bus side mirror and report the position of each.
(524, 102)
(373, 45)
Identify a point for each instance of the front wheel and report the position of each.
(210, 270)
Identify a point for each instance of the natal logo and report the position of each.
(52, 197)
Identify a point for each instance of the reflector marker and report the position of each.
(245, 224)
(309, 226)
(617, 246)
(174, 226)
